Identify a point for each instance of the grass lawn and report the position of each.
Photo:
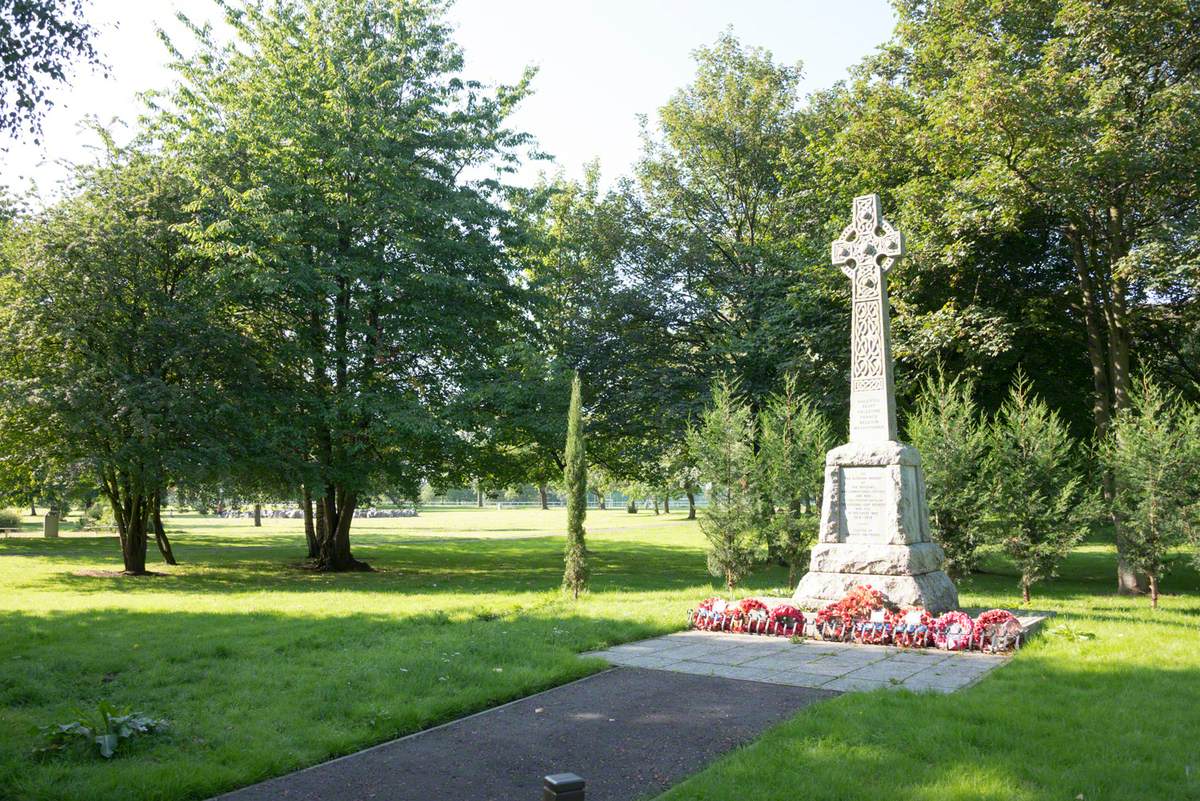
(1104, 705)
(263, 667)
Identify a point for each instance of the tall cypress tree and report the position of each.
(575, 572)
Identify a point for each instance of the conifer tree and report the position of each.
(1039, 502)
(1154, 455)
(795, 438)
(575, 572)
(949, 431)
(724, 450)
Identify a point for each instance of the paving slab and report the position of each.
(630, 732)
(845, 667)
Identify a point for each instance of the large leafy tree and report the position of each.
(734, 254)
(115, 347)
(350, 171)
(594, 308)
(1087, 115)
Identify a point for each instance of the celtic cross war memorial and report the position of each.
(874, 518)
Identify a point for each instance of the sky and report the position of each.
(601, 64)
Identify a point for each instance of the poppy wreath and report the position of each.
(873, 632)
(952, 631)
(843, 620)
(749, 615)
(996, 630)
(785, 620)
(912, 628)
(710, 615)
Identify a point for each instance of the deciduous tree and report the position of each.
(353, 175)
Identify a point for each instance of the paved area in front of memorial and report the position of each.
(813, 664)
(674, 704)
(630, 733)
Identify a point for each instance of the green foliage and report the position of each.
(953, 438)
(575, 572)
(597, 307)
(723, 445)
(729, 241)
(119, 362)
(352, 177)
(10, 518)
(791, 461)
(1038, 501)
(1153, 452)
(39, 40)
(107, 728)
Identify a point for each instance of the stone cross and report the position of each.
(867, 249)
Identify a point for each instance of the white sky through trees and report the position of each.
(602, 62)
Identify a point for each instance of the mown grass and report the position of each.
(1104, 705)
(263, 667)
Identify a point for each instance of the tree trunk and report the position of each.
(656, 506)
(258, 514)
(601, 500)
(131, 511)
(666, 504)
(543, 496)
(1024, 590)
(1104, 369)
(632, 507)
(479, 494)
(1153, 592)
(333, 539)
(791, 574)
(32, 509)
(160, 534)
(133, 550)
(310, 532)
(691, 496)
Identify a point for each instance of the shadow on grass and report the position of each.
(254, 695)
(531, 565)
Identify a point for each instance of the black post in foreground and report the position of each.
(562, 787)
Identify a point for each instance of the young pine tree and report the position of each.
(791, 458)
(1038, 500)
(575, 572)
(723, 448)
(952, 437)
(1153, 452)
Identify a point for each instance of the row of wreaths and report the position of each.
(865, 616)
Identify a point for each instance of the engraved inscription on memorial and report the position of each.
(865, 496)
(869, 412)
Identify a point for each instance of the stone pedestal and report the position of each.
(50, 526)
(875, 530)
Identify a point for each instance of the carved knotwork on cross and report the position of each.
(867, 249)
